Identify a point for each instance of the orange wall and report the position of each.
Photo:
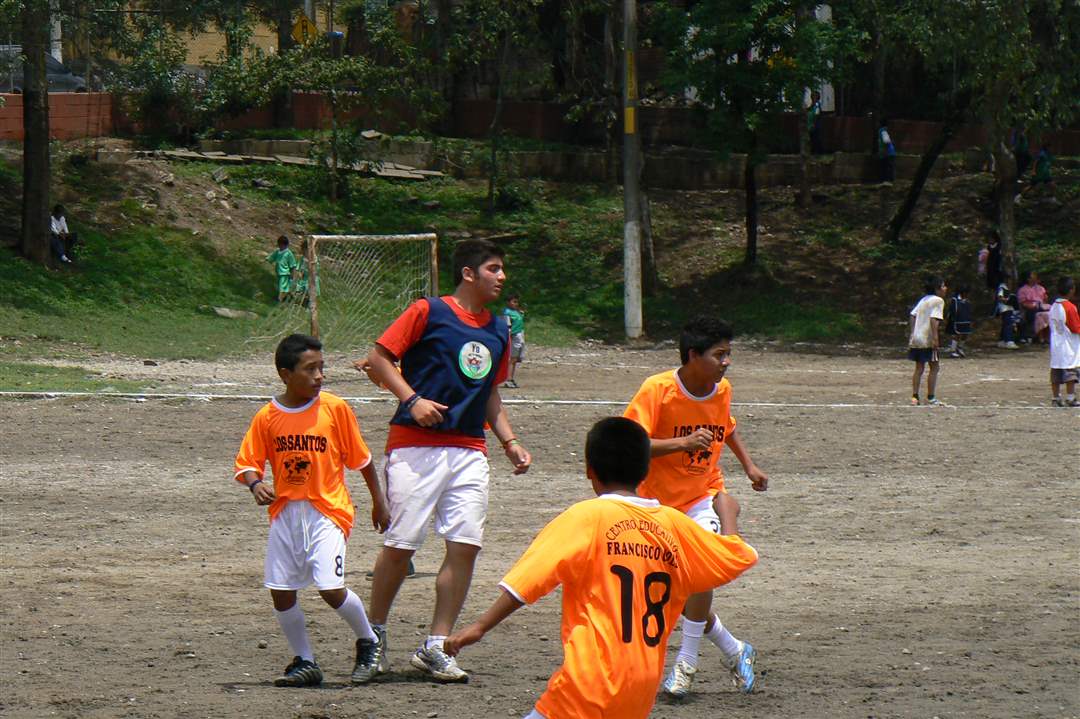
(71, 115)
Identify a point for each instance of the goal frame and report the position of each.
(313, 267)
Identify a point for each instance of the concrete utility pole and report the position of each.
(631, 177)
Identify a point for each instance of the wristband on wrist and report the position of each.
(512, 440)
(251, 487)
(408, 404)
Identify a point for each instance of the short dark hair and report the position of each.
(283, 238)
(932, 283)
(58, 210)
(962, 289)
(513, 296)
(1065, 285)
(617, 451)
(472, 254)
(288, 351)
(701, 333)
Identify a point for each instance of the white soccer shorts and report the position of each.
(705, 515)
(449, 483)
(304, 547)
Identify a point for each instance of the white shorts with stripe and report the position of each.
(447, 483)
(705, 515)
(304, 547)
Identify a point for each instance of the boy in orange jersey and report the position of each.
(309, 437)
(687, 414)
(626, 565)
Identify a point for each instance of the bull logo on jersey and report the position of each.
(474, 359)
(297, 468)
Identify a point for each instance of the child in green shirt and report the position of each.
(285, 264)
(515, 315)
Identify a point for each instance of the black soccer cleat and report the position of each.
(300, 673)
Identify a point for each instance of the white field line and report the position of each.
(143, 396)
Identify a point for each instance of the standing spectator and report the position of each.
(515, 315)
(1006, 307)
(813, 123)
(886, 152)
(284, 265)
(958, 321)
(925, 324)
(60, 239)
(1065, 344)
(1043, 176)
(1033, 301)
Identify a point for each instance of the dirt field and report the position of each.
(914, 562)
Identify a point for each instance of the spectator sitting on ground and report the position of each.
(61, 240)
(1033, 302)
(1006, 308)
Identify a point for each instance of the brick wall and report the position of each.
(71, 115)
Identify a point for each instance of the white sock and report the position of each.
(692, 632)
(352, 611)
(1070, 397)
(434, 640)
(292, 624)
(722, 638)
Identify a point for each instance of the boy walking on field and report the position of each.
(309, 437)
(1065, 344)
(687, 414)
(626, 565)
(453, 354)
(924, 338)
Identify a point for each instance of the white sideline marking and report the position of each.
(45, 394)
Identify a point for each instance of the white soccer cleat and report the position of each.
(439, 664)
(677, 683)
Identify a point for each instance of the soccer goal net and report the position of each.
(350, 287)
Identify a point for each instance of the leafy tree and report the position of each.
(747, 62)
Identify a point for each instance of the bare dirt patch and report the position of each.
(914, 562)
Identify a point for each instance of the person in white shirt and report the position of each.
(923, 339)
(60, 239)
(1065, 344)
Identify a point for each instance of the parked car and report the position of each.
(60, 78)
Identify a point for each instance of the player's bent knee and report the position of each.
(283, 599)
(334, 597)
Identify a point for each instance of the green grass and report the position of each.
(31, 377)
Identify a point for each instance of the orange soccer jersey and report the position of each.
(626, 565)
(308, 449)
(666, 410)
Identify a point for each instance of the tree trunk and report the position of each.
(36, 171)
(750, 187)
(1004, 203)
(281, 102)
(333, 146)
(902, 216)
(878, 102)
(804, 160)
(611, 97)
(631, 160)
(496, 121)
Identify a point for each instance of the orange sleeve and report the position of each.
(711, 559)
(644, 408)
(561, 549)
(406, 330)
(354, 450)
(252, 455)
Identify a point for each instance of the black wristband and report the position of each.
(408, 404)
(251, 487)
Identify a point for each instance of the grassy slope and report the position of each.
(144, 280)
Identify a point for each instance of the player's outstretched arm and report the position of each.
(758, 479)
(502, 608)
(500, 425)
